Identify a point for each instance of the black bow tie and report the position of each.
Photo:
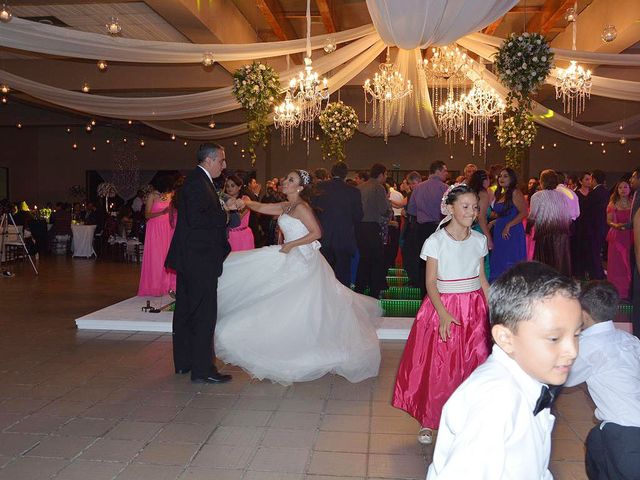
(546, 398)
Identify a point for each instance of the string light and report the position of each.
(102, 65)
(185, 143)
(124, 139)
(93, 148)
(555, 145)
(130, 122)
(5, 13)
(142, 143)
(208, 60)
(68, 130)
(74, 146)
(4, 89)
(88, 128)
(4, 99)
(93, 122)
(108, 141)
(113, 26)
(86, 88)
(173, 137)
(19, 125)
(542, 147)
(604, 151)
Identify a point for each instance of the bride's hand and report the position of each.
(286, 248)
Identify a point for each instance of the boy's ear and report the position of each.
(503, 337)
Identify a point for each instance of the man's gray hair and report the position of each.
(209, 150)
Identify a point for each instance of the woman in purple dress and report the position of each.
(510, 209)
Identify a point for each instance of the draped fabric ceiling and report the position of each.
(429, 22)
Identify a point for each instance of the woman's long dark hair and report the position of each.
(477, 180)
(508, 193)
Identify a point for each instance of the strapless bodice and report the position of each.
(293, 229)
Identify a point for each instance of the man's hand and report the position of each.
(231, 204)
(240, 204)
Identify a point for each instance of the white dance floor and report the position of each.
(128, 316)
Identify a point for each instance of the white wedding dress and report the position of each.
(285, 317)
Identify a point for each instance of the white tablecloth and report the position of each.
(82, 245)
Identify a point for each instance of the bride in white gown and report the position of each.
(282, 315)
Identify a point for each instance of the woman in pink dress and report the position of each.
(155, 279)
(620, 239)
(240, 237)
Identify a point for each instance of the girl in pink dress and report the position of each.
(155, 279)
(449, 337)
(619, 239)
(240, 237)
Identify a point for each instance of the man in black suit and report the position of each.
(198, 249)
(595, 217)
(339, 208)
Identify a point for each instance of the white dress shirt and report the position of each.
(574, 201)
(488, 430)
(137, 204)
(609, 361)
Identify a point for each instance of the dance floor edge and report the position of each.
(129, 316)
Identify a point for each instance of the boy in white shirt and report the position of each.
(497, 424)
(609, 361)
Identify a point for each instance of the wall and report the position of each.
(42, 164)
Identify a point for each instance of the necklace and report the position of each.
(454, 238)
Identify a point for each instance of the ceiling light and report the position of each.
(208, 60)
(19, 125)
(173, 137)
(102, 65)
(86, 88)
(113, 26)
(609, 33)
(4, 88)
(5, 13)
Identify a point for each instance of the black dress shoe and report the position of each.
(213, 378)
(182, 371)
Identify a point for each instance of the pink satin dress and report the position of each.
(620, 243)
(241, 237)
(155, 279)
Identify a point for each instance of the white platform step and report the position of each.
(128, 316)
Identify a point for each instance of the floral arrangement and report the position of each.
(106, 190)
(146, 190)
(338, 123)
(256, 87)
(523, 62)
(515, 134)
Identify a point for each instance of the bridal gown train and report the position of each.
(285, 317)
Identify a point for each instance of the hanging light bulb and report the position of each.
(173, 136)
(5, 13)
(108, 141)
(622, 140)
(68, 130)
(604, 151)
(185, 143)
(88, 128)
(130, 122)
(330, 46)
(19, 125)
(113, 26)
(102, 65)
(542, 147)
(93, 148)
(208, 60)
(74, 146)
(571, 15)
(4, 88)
(4, 99)
(142, 143)
(212, 124)
(609, 33)
(555, 145)
(124, 139)
(92, 122)
(86, 88)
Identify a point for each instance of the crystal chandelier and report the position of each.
(447, 65)
(573, 84)
(388, 91)
(481, 104)
(287, 117)
(5, 13)
(113, 26)
(450, 117)
(303, 98)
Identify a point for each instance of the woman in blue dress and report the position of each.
(510, 208)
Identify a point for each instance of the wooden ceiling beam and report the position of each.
(325, 8)
(274, 15)
(491, 29)
(552, 12)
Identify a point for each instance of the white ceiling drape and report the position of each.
(410, 24)
(37, 37)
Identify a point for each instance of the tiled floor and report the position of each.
(103, 405)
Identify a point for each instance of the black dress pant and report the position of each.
(593, 260)
(194, 321)
(423, 231)
(391, 248)
(613, 453)
(411, 253)
(371, 268)
(340, 262)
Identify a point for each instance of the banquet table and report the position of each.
(82, 245)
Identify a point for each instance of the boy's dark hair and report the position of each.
(339, 169)
(599, 176)
(513, 296)
(599, 298)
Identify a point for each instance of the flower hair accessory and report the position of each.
(443, 204)
(305, 177)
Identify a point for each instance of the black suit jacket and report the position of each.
(595, 211)
(199, 245)
(339, 209)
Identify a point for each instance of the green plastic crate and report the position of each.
(400, 308)
(397, 272)
(402, 293)
(397, 281)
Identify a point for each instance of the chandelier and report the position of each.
(388, 91)
(303, 99)
(287, 117)
(450, 118)
(573, 84)
(113, 26)
(481, 104)
(447, 65)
